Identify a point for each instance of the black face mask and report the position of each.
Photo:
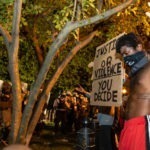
(133, 59)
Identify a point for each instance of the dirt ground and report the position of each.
(49, 141)
(46, 139)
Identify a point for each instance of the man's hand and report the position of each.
(80, 89)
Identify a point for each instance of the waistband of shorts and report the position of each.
(136, 120)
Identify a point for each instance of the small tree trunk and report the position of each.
(13, 48)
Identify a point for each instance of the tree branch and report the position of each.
(15, 25)
(74, 10)
(99, 5)
(6, 36)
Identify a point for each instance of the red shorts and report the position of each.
(135, 134)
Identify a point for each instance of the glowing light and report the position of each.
(124, 91)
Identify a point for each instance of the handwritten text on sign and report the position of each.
(107, 76)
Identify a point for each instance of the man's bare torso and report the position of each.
(139, 100)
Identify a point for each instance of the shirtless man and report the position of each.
(135, 134)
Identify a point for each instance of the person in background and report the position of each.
(70, 111)
(6, 100)
(61, 105)
(25, 93)
(80, 89)
(135, 134)
(78, 114)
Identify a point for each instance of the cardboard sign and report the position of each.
(107, 76)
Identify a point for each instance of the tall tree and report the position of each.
(12, 44)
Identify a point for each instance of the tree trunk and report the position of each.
(13, 47)
(17, 99)
(52, 82)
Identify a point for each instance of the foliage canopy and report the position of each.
(44, 20)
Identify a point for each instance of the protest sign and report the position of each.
(108, 74)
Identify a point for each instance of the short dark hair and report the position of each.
(129, 39)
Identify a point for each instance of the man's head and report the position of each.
(62, 96)
(127, 44)
(129, 47)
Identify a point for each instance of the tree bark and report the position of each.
(38, 50)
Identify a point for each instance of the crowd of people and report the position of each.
(69, 110)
